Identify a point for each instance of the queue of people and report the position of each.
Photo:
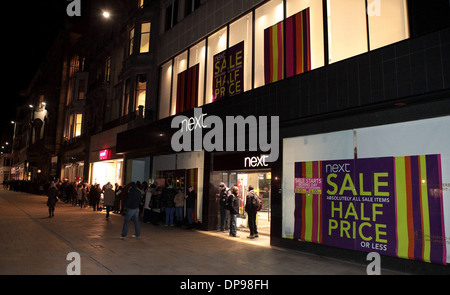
(136, 201)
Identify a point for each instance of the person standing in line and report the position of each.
(109, 198)
(80, 195)
(233, 206)
(224, 212)
(179, 207)
(190, 206)
(251, 206)
(132, 211)
(169, 204)
(52, 199)
(147, 210)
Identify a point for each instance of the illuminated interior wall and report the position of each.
(164, 97)
(241, 30)
(179, 65)
(347, 29)
(265, 16)
(388, 23)
(107, 171)
(216, 44)
(197, 55)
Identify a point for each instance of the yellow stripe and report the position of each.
(402, 220)
(275, 53)
(309, 206)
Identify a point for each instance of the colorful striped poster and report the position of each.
(187, 89)
(298, 44)
(308, 206)
(294, 54)
(392, 205)
(420, 216)
(274, 53)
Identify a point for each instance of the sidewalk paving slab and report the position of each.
(33, 244)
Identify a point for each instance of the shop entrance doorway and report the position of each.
(261, 181)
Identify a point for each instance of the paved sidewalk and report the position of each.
(33, 244)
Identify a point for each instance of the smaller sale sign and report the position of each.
(308, 185)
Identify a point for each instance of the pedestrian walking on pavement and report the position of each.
(132, 211)
(52, 199)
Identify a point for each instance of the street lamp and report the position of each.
(106, 14)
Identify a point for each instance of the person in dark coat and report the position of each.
(168, 196)
(233, 203)
(191, 197)
(52, 199)
(132, 212)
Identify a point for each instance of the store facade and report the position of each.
(356, 110)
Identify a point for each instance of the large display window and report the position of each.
(180, 64)
(197, 56)
(388, 22)
(381, 189)
(241, 30)
(274, 41)
(347, 29)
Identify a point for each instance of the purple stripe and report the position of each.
(290, 46)
(298, 204)
(417, 213)
(434, 184)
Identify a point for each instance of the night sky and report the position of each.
(29, 29)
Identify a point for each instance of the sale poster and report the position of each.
(228, 79)
(391, 205)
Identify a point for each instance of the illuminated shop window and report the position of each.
(267, 15)
(164, 86)
(347, 29)
(388, 22)
(179, 66)
(241, 31)
(216, 43)
(197, 56)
